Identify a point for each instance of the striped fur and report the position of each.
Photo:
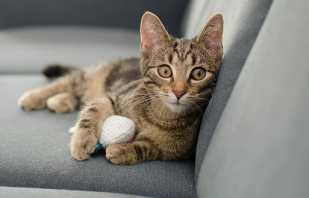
(134, 88)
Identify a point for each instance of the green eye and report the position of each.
(198, 73)
(164, 71)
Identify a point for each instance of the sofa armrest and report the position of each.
(260, 145)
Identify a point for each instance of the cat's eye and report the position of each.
(198, 74)
(165, 71)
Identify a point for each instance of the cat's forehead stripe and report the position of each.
(182, 50)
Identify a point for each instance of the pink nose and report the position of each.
(179, 89)
(179, 93)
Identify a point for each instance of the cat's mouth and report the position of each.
(174, 102)
(175, 106)
(177, 103)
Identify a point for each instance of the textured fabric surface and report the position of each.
(34, 153)
(28, 50)
(193, 15)
(9, 192)
(250, 17)
(107, 13)
(260, 147)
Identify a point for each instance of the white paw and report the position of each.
(72, 129)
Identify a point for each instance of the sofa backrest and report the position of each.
(193, 16)
(260, 146)
(243, 20)
(109, 13)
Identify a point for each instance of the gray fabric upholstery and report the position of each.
(107, 13)
(243, 20)
(193, 16)
(27, 50)
(34, 153)
(260, 147)
(9, 192)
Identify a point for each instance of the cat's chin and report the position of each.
(176, 107)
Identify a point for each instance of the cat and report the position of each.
(164, 92)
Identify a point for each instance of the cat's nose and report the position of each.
(179, 93)
(179, 89)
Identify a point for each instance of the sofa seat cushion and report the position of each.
(10, 192)
(34, 153)
(29, 49)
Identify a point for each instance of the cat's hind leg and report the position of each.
(37, 98)
(62, 102)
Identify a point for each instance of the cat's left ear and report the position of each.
(211, 35)
(153, 33)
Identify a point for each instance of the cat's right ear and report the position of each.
(153, 33)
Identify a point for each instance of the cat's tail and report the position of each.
(56, 70)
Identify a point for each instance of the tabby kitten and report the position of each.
(164, 93)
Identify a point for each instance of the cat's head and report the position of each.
(180, 72)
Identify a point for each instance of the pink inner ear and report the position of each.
(212, 33)
(145, 40)
(146, 33)
(213, 39)
(145, 47)
(152, 32)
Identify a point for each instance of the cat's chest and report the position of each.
(145, 122)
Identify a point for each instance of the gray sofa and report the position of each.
(253, 139)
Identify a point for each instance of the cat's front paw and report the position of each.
(31, 100)
(121, 154)
(82, 144)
